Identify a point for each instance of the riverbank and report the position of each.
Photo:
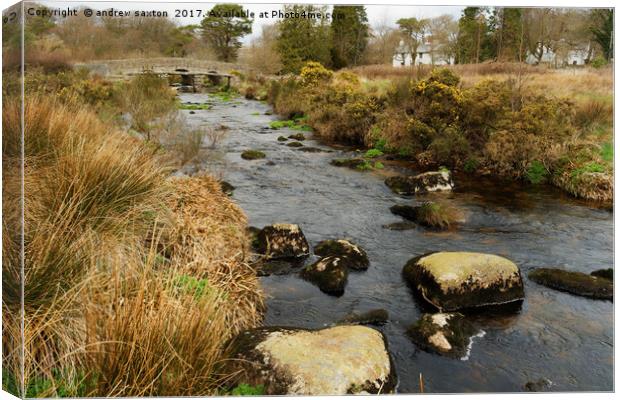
(507, 124)
(134, 281)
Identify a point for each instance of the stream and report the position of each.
(556, 336)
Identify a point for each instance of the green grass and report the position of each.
(589, 167)
(372, 153)
(536, 173)
(607, 152)
(296, 125)
(244, 389)
(190, 285)
(203, 106)
(44, 387)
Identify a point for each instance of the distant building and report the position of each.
(563, 56)
(424, 56)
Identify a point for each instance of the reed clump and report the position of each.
(110, 243)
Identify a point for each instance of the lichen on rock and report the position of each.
(448, 334)
(353, 359)
(352, 256)
(282, 241)
(329, 274)
(432, 181)
(458, 280)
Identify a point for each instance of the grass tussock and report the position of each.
(438, 215)
(110, 245)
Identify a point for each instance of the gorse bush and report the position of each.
(313, 73)
(498, 126)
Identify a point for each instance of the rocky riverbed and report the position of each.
(553, 336)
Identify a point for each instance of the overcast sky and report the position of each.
(377, 14)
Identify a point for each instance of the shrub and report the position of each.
(598, 62)
(314, 73)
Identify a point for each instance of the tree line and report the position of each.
(480, 34)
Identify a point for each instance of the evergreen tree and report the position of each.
(473, 44)
(222, 28)
(349, 34)
(506, 27)
(303, 39)
(602, 29)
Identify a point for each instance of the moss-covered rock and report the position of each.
(353, 359)
(295, 144)
(252, 155)
(329, 274)
(429, 214)
(423, 183)
(352, 163)
(282, 139)
(604, 273)
(448, 334)
(227, 188)
(297, 136)
(458, 280)
(279, 241)
(313, 150)
(576, 283)
(372, 317)
(352, 256)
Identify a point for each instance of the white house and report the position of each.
(424, 56)
(562, 56)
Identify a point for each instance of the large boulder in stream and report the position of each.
(576, 283)
(279, 241)
(448, 334)
(352, 256)
(423, 183)
(329, 274)
(460, 280)
(294, 361)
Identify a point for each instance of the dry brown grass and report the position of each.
(105, 314)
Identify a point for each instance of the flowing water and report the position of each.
(557, 336)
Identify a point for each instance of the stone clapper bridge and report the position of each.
(189, 70)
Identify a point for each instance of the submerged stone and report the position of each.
(312, 150)
(295, 144)
(458, 280)
(227, 188)
(329, 274)
(276, 267)
(282, 139)
(448, 334)
(427, 182)
(576, 283)
(282, 241)
(372, 317)
(352, 256)
(604, 273)
(400, 226)
(252, 155)
(293, 361)
(405, 211)
(541, 385)
(297, 136)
